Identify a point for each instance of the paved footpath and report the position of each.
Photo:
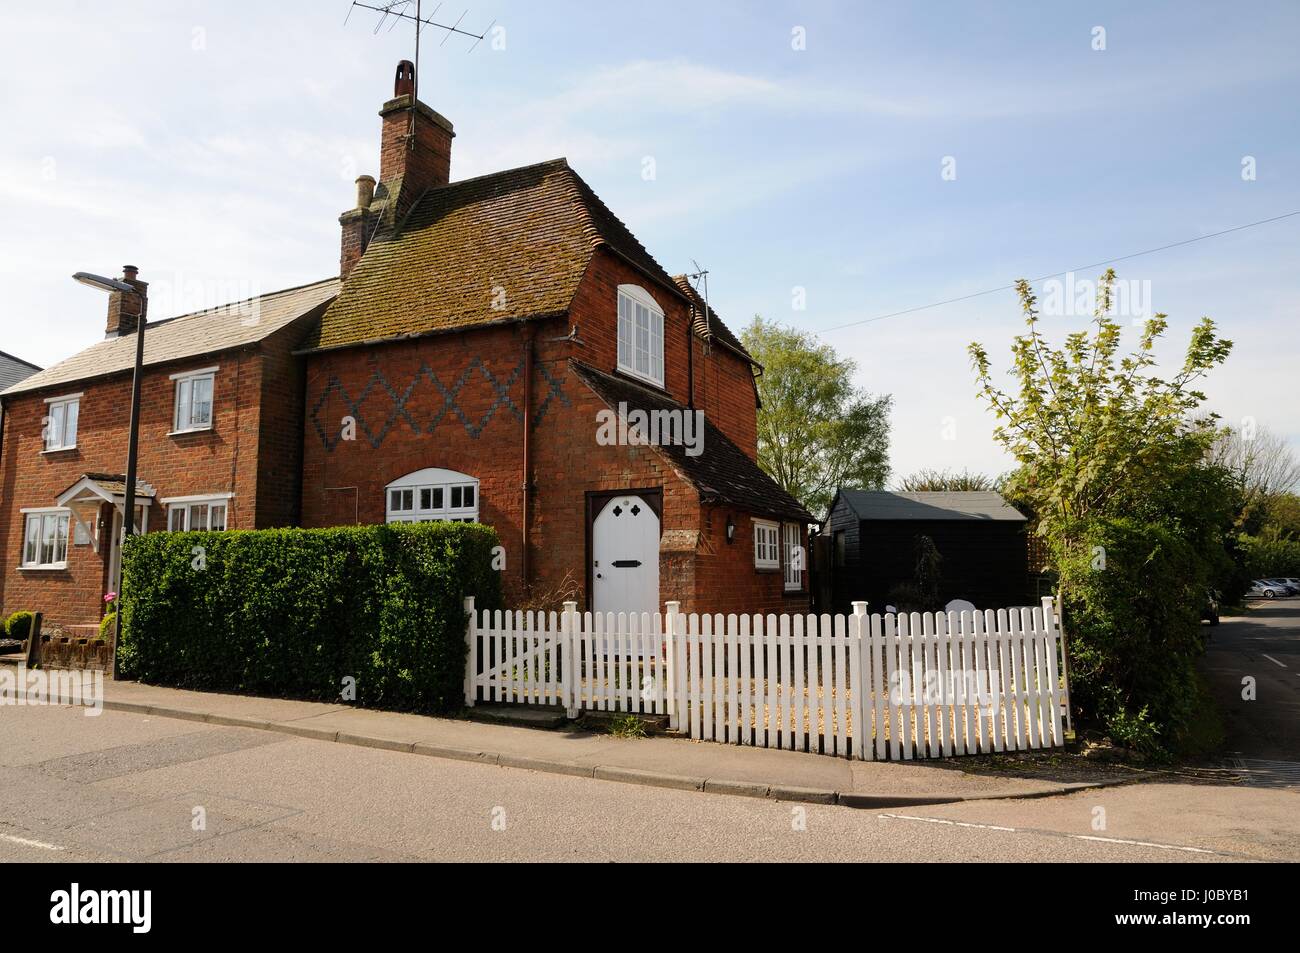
(655, 761)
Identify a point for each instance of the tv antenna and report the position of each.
(395, 11)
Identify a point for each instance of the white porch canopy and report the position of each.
(84, 498)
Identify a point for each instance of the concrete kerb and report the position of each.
(617, 773)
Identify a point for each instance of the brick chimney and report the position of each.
(415, 146)
(357, 224)
(125, 310)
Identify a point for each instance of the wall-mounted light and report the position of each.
(731, 530)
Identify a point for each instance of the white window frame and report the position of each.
(767, 545)
(60, 517)
(792, 536)
(60, 406)
(634, 302)
(432, 495)
(185, 382)
(188, 509)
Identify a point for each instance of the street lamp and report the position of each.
(133, 440)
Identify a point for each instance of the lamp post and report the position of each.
(112, 285)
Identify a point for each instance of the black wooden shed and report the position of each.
(875, 537)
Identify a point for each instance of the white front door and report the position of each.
(625, 557)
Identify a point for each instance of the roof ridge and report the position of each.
(230, 304)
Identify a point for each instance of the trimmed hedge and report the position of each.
(19, 625)
(294, 612)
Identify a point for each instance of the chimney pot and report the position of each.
(365, 191)
(129, 272)
(404, 81)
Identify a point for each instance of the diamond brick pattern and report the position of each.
(448, 395)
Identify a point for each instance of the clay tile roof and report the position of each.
(713, 329)
(509, 246)
(723, 473)
(190, 335)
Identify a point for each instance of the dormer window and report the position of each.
(640, 334)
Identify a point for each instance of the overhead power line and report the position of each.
(1056, 274)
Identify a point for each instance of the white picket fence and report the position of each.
(864, 686)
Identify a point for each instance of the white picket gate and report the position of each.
(865, 686)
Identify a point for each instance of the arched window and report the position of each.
(640, 334)
(432, 494)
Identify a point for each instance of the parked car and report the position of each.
(1291, 581)
(1263, 589)
(1292, 588)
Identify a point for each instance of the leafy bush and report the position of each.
(107, 626)
(19, 625)
(295, 612)
(1262, 558)
(1132, 617)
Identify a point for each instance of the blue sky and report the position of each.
(214, 145)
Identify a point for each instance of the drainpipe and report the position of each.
(528, 450)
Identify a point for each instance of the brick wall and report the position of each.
(224, 459)
(455, 401)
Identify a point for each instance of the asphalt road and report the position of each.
(1263, 646)
(130, 787)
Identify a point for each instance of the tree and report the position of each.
(950, 481)
(1113, 465)
(816, 430)
(1264, 463)
(1089, 428)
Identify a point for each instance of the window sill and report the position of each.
(57, 567)
(190, 432)
(59, 449)
(622, 371)
(767, 570)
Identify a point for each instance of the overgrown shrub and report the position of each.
(1133, 598)
(107, 626)
(295, 612)
(1263, 558)
(19, 625)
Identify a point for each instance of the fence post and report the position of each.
(471, 657)
(570, 663)
(670, 640)
(1052, 618)
(857, 701)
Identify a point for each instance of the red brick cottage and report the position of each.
(220, 447)
(485, 330)
(501, 349)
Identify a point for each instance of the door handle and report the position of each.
(627, 563)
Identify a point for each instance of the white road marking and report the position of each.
(1017, 830)
(944, 820)
(30, 843)
(1141, 843)
(1273, 660)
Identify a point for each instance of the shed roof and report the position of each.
(935, 505)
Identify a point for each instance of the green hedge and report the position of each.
(1134, 631)
(1266, 558)
(19, 625)
(293, 612)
